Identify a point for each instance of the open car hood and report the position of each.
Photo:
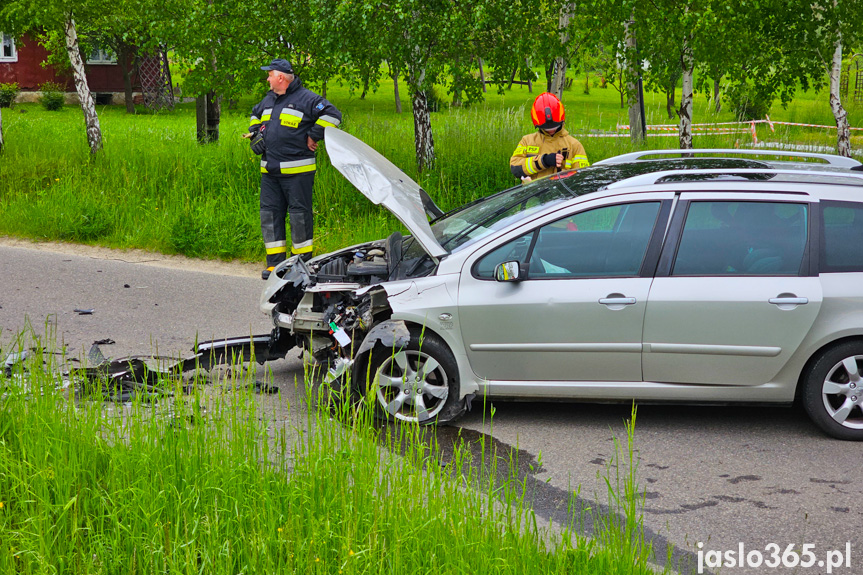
(383, 183)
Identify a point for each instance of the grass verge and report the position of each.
(207, 482)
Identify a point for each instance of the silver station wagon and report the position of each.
(715, 276)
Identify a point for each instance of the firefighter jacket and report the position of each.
(287, 121)
(526, 160)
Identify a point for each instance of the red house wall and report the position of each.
(29, 73)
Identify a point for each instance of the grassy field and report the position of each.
(155, 188)
(211, 483)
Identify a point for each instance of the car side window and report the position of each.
(742, 238)
(604, 242)
(514, 251)
(842, 225)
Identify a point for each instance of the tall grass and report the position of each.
(153, 187)
(211, 483)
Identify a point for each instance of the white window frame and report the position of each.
(14, 56)
(104, 57)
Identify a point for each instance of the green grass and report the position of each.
(155, 188)
(212, 483)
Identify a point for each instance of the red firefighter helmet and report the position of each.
(547, 112)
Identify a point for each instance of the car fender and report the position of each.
(429, 303)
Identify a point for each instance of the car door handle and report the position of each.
(788, 300)
(617, 300)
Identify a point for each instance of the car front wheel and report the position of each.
(418, 383)
(833, 391)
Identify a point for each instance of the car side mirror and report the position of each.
(510, 272)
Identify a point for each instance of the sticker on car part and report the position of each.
(341, 335)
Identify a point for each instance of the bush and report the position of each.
(53, 96)
(747, 103)
(8, 93)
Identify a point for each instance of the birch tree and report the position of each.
(88, 105)
(796, 44)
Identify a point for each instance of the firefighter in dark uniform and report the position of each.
(285, 129)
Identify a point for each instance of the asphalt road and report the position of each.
(718, 476)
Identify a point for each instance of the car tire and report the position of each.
(417, 383)
(833, 391)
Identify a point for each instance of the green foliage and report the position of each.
(433, 99)
(8, 93)
(208, 229)
(53, 96)
(747, 102)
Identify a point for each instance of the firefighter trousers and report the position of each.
(281, 196)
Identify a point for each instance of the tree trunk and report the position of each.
(669, 102)
(1, 131)
(91, 119)
(558, 79)
(843, 134)
(208, 113)
(396, 90)
(636, 132)
(365, 85)
(717, 101)
(685, 112)
(481, 74)
(124, 56)
(423, 138)
(214, 115)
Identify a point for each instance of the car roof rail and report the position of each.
(657, 177)
(830, 159)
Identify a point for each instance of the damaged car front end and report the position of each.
(351, 309)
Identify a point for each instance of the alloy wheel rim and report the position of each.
(412, 386)
(842, 392)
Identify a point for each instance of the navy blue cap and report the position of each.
(279, 65)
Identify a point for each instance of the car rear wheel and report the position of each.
(833, 391)
(418, 383)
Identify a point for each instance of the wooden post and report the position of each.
(481, 74)
(201, 118)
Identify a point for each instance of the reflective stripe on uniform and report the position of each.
(298, 166)
(530, 166)
(328, 121)
(279, 247)
(263, 166)
(518, 151)
(302, 247)
(255, 121)
(581, 161)
(265, 117)
(290, 117)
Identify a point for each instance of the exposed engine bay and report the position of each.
(328, 305)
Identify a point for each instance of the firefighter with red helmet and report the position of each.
(550, 149)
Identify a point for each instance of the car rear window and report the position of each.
(742, 239)
(842, 228)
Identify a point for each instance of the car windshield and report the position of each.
(475, 220)
(471, 222)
